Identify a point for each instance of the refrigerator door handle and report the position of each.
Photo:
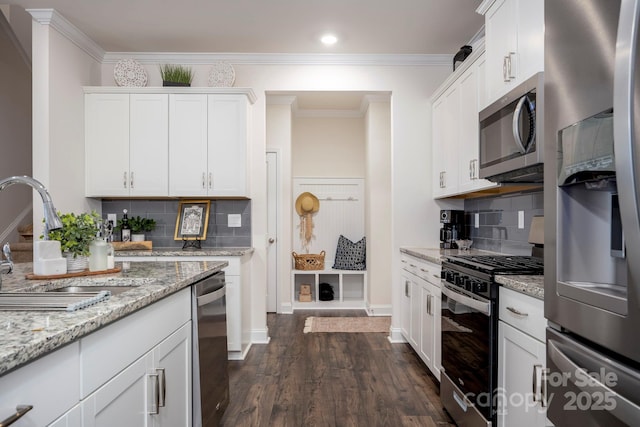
(617, 405)
(627, 154)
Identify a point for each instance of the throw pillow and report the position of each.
(350, 255)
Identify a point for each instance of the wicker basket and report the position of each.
(309, 261)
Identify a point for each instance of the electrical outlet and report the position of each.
(521, 219)
(112, 217)
(234, 220)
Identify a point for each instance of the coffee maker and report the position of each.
(452, 228)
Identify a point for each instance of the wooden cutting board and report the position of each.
(133, 246)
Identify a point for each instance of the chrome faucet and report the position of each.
(51, 219)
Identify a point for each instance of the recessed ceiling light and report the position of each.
(329, 39)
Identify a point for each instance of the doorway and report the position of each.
(272, 231)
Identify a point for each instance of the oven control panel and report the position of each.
(479, 284)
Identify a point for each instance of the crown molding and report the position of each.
(196, 58)
(280, 99)
(484, 6)
(67, 29)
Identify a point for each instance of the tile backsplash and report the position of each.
(165, 212)
(498, 230)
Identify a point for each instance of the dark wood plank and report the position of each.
(331, 379)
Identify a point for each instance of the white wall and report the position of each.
(378, 210)
(15, 133)
(330, 147)
(60, 70)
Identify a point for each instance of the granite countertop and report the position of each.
(158, 252)
(528, 285)
(26, 335)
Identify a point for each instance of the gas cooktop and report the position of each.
(500, 264)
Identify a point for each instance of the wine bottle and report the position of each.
(125, 228)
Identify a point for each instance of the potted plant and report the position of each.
(139, 226)
(75, 236)
(176, 75)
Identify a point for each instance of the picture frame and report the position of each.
(192, 220)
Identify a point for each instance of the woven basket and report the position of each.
(309, 261)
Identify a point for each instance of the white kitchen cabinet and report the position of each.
(521, 360)
(514, 40)
(238, 297)
(208, 145)
(349, 288)
(126, 365)
(40, 385)
(421, 317)
(455, 122)
(72, 418)
(126, 144)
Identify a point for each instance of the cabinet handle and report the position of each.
(504, 69)
(20, 411)
(444, 179)
(470, 169)
(156, 394)
(210, 180)
(411, 265)
(124, 180)
(429, 304)
(162, 379)
(204, 185)
(406, 288)
(511, 69)
(131, 179)
(537, 384)
(517, 313)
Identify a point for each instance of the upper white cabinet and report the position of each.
(514, 31)
(160, 142)
(455, 122)
(128, 140)
(208, 145)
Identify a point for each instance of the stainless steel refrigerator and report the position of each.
(592, 205)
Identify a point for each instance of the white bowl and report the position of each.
(464, 244)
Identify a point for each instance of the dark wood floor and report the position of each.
(331, 379)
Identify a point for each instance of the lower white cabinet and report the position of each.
(155, 390)
(349, 288)
(71, 418)
(521, 361)
(421, 315)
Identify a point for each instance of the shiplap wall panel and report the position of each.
(341, 212)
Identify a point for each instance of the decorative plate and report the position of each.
(129, 72)
(221, 75)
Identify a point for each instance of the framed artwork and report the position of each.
(193, 217)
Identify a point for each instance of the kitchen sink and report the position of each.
(115, 290)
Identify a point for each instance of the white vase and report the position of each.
(76, 264)
(137, 237)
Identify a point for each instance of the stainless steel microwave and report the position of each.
(511, 130)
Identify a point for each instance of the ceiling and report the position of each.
(383, 27)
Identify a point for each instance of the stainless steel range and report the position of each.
(470, 333)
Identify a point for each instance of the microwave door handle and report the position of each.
(626, 140)
(524, 146)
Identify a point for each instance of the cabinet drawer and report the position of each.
(523, 312)
(423, 269)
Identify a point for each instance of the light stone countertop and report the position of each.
(26, 335)
(528, 285)
(172, 252)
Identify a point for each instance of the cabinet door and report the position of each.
(149, 145)
(173, 358)
(530, 38)
(445, 142)
(234, 313)
(501, 47)
(125, 400)
(73, 418)
(227, 135)
(106, 145)
(406, 306)
(427, 335)
(520, 358)
(416, 315)
(188, 145)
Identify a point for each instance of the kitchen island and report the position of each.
(27, 335)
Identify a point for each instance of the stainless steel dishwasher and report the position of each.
(210, 375)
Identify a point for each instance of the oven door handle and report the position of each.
(481, 306)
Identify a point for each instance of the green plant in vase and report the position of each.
(139, 226)
(77, 232)
(176, 75)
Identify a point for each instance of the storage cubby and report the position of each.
(349, 288)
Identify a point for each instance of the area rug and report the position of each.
(347, 324)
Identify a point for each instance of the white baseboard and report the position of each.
(260, 336)
(379, 310)
(396, 337)
(286, 308)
